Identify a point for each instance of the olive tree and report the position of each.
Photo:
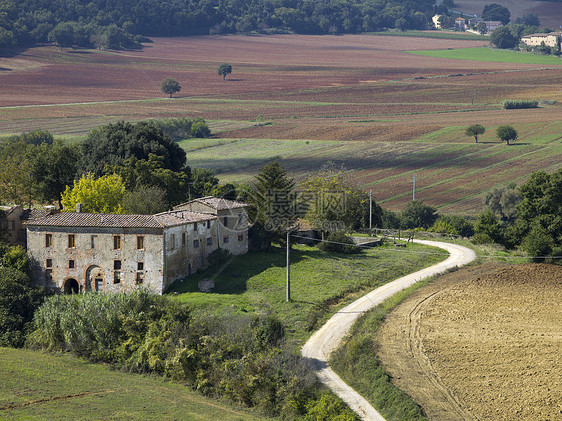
(170, 86)
(224, 70)
(506, 133)
(475, 130)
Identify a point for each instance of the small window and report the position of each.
(172, 241)
(140, 273)
(225, 221)
(94, 241)
(49, 263)
(226, 240)
(183, 238)
(71, 241)
(241, 237)
(140, 242)
(116, 271)
(210, 241)
(48, 240)
(117, 242)
(240, 218)
(209, 224)
(195, 243)
(71, 264)
(195, 226)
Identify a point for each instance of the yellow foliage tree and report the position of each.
(97, 195)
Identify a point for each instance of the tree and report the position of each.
(146, 200)
(16, 181)
(417, 215)
(503, 38)
(475, 130)
(115, 143)
(333, 202)
(488, 227)
(62, 35)
(97, 195)
(170, 86)
(272, 197)
(495, 11)
(54, 167)
(528, 20)
(506, 133)
(482, 28)
(224, 70)
(503, 201)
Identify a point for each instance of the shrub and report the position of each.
(453, 224)
(510, 104)
(537, 243)
(338, 242)
(199, 128)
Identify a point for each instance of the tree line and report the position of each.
(123, 23)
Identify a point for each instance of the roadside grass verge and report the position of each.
(491, 54)
(40, 386)
(320, 282)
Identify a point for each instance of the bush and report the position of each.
(417, 215)
(338, 242)
(537, 243)
(199, 128)
(511, 104)
(18, 301)
(182, 128)
(453, 224)
(218, 257)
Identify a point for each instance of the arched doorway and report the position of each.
(71, 286)
(94, 278)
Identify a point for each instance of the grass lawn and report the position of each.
(38, 386)
(491, 54)
(320, 282)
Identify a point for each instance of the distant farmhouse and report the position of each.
(74, 252)
(468, 24)
(551, 39)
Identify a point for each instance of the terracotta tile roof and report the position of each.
(215, 203)
(29, 214)
(82, 219)
(74, 219)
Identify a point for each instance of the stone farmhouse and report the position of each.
(74, 252)
(550, 40)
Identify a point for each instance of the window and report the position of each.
(48, 240)
(140, 242)
(71, 264)
(71, 241)
(172, 241)
(225, 221)
(210, 241)
(195, 243)
(241, 237)
(195, 226)
(209, 224)
(94, 241)
(116, 242)
(183, 238)
(49, 263)
(116, 271)
(240, 218)
(140, 272)
(226, 240)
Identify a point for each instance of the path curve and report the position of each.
(325, 340)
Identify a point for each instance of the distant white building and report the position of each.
(551, 39)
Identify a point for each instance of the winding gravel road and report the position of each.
(325, 340)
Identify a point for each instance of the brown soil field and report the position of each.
(482, 343)
(396, 113)
(549, 12)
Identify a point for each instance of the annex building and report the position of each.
(74, 251)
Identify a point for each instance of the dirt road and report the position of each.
(321, 344)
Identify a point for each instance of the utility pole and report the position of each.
(414, 189)
(370, 210)
(288, 265)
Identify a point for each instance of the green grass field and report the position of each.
(256, 282)
(491, 54)
(38, 386)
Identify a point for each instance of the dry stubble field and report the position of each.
(358, 100)
(482, 343)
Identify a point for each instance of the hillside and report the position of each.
(549, 12)
(38, 386)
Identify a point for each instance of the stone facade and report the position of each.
(75, 252)
(550, 40)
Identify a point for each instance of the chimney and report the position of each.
(79, 208)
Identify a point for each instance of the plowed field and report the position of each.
(481, 343)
